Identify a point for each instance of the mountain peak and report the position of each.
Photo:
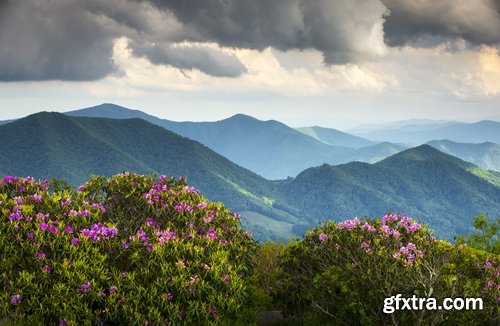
(109, 110)
(422, 153)
(241, 117)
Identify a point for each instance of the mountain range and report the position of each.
(419, 133)
(335, 137)
(53, 145)
(277, 151)
(435, 188)
(268, 148)
(485, 155)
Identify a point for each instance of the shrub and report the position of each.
(125, 250)
(486, 237)
(345, 271)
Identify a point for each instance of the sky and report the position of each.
(303, 62)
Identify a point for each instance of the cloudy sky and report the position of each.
(334, 63)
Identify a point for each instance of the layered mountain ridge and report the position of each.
(435, 188)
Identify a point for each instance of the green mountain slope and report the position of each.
(435, 188)
(52, 145)
(268, 148)
(438, 189)
(485, 155)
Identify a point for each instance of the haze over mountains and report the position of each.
(414, 134)
(269, 148)
(433, 187)
(485, 155)
(335, 137)
(53, 145)
(276, 151)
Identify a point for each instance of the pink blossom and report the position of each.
(16, 298)
(489, 284)
(37, 198)
(323, 237)
(368, 227)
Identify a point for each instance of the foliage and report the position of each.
(53, 145)
(344, 271)
(125, 250)
(487, 237)
(433, 187)
(267, 268)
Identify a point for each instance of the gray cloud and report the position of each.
(344, 31)
(48, 40)
(208, 60)
(73, 39)
(413, 21)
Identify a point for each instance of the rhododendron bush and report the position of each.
(344, 271)
(125, 250)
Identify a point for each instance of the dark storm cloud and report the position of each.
(208, 60)
(73, 39)
(344, 31)
(417, 21)
(47, 40)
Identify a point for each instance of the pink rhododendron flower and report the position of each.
(323, 237)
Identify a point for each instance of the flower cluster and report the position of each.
(99, 231)
(85, 287)
(366, 247)
(493, 273)
(323, 237)
(368, 227)
(183, 207)
(408, 254)
(109, 247)
(373, 235)
(164, 236)
(349, 224)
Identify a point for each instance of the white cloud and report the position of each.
(452, 69)
(292, 74)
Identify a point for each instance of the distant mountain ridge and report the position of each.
(268, 148)
(422, 123)
(53, 145)
(435, 188)
(485, 155)
(336, 137)
(479, 132)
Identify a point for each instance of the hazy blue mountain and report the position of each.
(485, 155)
(113, 111)
(277, 151)
(479, 132)
(335, 137)
(374, 153)
(52, 145)
(268, 148)
(436, 188)
(414, 124)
